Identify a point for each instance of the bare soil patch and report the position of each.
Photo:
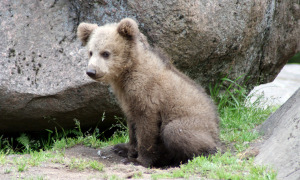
(113, 166)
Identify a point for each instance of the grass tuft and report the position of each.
(82, 164)
(220, 166)
(96, 165)
(239, 118)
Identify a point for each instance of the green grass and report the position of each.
(137, 175)
(22, 163)
(52, 148)
(82, 164)
(96, 165)
(295, 58)
(238, 120)
(2, 158)
(36, 158)
(34, 178)
(25, 144)
(93, 139)
(7, 171)
(220, 166)
(114, 177)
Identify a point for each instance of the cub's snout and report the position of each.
(91, 73)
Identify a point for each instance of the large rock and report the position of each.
(42, 70)
(209, 39)
(42, 67)
(281, 148)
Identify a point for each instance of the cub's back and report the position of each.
(183, 97)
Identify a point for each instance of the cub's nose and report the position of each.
(91, 73)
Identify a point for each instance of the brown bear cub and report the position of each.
(170, 118)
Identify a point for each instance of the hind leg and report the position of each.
(187, 138)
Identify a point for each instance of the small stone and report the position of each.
(99, 153)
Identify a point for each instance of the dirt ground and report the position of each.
(113, 167)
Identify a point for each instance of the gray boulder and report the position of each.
(211, 39)
(42, 67)
(42, 70)
(281, 149)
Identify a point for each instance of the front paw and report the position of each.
(146, 162)
(130, 161)
(121, 150)
(132, 153)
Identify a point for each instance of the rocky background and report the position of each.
(42, 64)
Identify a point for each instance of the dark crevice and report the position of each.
(265, 40)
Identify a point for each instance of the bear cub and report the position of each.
(170, 118)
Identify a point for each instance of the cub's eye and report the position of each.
(105, 54)
(90, 53)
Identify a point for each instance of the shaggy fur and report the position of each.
(170, 118)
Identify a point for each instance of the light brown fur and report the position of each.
(170, 118)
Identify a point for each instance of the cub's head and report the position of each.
(109, 47)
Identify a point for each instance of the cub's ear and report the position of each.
(84, 31)
(128, 28)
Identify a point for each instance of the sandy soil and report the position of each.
(113, 165)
